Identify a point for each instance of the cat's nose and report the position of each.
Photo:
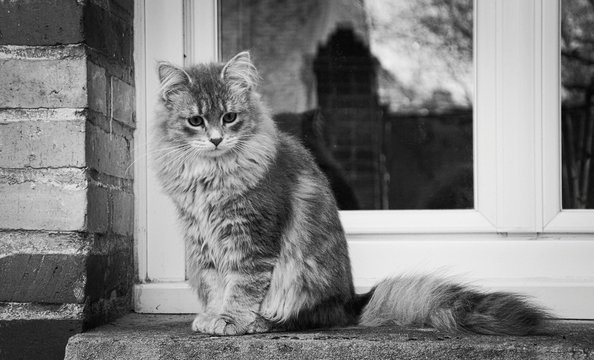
(216, 141)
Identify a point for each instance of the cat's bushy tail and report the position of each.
(439, 303)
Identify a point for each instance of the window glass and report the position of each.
(577, 107)
(381, 92)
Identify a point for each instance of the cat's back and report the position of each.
(295, 158)
(310, 195)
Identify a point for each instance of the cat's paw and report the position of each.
(216, 325)
(259, 325)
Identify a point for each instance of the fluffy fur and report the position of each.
(265, 246)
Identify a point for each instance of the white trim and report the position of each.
(165, 298)
(572, 221)
(555, 218)
(537, 90)
(485, 109)
(552, 269)
(414, 221)
(140, 164)
(165, 245)
(516, 121)
(201, 31)
(564, 299)
(551, 111)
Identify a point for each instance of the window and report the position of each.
(514, 236)
(577, 115)
(384, 105)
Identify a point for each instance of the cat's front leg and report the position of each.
(240, 309)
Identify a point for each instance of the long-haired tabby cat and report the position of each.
(265, 245)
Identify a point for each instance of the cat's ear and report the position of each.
(240, 72)
(172, 78)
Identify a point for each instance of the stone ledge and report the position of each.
(169, 337)
(33, 52)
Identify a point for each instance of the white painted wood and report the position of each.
(414, 221)
(572, 221)
(473, 257)
(515, 117)
(551, 110)
(537, 91)
(552, 269)
(165, 247)
(165, 298)
(566, 300)
(140, 165)
(555, 218)
(201, 28)
(485, 109)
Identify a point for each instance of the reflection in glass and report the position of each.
(577, 114)
(380, 91)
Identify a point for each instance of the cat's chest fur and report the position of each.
(210, 197)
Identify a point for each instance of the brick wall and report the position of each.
(66, 135)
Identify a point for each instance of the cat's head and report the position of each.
(211, 109)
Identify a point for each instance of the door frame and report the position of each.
(517, 238)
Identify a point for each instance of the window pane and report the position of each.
(577, 114)
(380, 91)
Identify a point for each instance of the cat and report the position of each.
(265, 246)
(307, 128)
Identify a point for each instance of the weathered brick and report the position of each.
(65, 267)
(38, 311)
(127, 5)
(122, 102)
(37, 339)
(42, 144)
(62, 267)
(60, 170)
(109, 34)
(43, 83)
(121, 8)
(98, 212)
(37, 242)
(110, 275)
(41, 22)
(49, 278)
(38, 331)
(122, 213)
(108, 153)
(50, 199)
(58, 52)
(39, 266)
(113, 68)
(41, 114)
(97, 88)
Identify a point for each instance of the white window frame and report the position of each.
(517, 238)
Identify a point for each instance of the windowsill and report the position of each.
(169, 336)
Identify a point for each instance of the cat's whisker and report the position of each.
(173, 148)
(151, 153)
(180, 152)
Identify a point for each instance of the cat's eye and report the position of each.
(229, 117)
(196, 120)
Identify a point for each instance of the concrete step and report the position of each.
(169, 337)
